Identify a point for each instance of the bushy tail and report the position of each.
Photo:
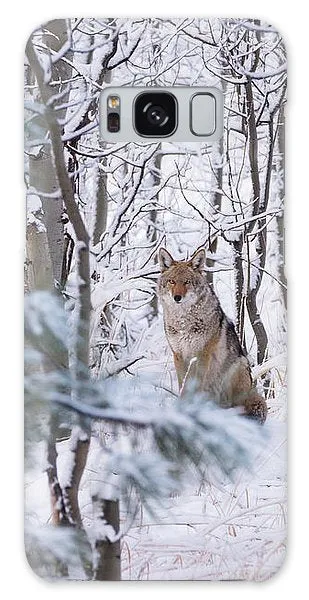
(255, 406)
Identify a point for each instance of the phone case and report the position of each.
(155, 308)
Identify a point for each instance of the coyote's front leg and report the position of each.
(181, 368)
(185, 371)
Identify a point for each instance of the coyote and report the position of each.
(205, 346)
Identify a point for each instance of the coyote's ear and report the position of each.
(198, 259)
(165, 259)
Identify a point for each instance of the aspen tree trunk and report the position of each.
(45, 243)
(42, 175)
(64, 184)
(216, 198)
(251, 299)
(152, 233)
(108, 559)
(156, 177)
(101, 195)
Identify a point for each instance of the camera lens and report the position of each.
(113, 122)
(155, 114)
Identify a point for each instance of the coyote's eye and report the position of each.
(171, 281)
(187, 282)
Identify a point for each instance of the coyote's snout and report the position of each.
(204, 342)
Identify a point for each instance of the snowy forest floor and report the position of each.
(219, 531)
(212, 530)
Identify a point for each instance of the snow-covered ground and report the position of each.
(213, 529)
(217, 531)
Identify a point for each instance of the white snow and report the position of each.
(207, 528)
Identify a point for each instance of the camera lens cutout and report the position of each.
(155, 114)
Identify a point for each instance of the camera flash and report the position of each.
(113, 101)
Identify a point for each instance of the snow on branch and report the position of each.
(264, 74)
